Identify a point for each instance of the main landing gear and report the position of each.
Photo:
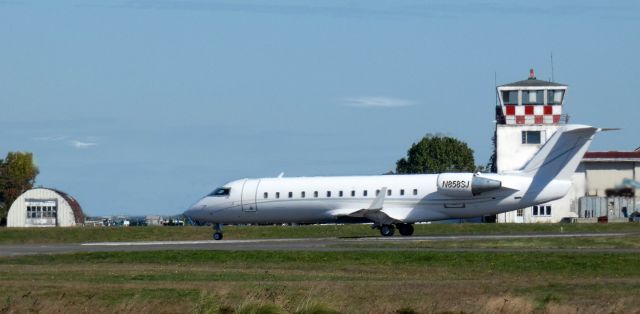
(389, 230)
(405, 229)
(217, 235)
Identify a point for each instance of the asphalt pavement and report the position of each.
(304, 244)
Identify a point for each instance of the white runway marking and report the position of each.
(188, 242)
(367, 239)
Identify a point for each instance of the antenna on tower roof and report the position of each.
(495, 85)
(552, 78)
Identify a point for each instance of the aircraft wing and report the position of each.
(382, 216)
(376, 211)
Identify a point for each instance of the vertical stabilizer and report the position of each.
(559, 157)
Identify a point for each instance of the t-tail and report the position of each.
(558, 158)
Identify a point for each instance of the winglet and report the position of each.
(377, 203)
(281, 175)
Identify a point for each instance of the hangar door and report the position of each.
(249, 191)
(42, 212)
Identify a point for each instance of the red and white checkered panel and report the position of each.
(532, 114)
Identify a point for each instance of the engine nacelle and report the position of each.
(465, 184)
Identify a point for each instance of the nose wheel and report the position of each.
(217, 235)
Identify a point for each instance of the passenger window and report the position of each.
(364, 193)
(277, 194)
(388, 192)
(415, 191)
(377, 192)
(353, 193)
(303, 194)
(402, 192)
(328, 193)
(266, 195)
(315, 193)
(290, 194)
(340, 194)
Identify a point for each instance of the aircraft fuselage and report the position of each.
(410, 198)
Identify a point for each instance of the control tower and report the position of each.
(527, 114)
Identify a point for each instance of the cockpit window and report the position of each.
(220, 192)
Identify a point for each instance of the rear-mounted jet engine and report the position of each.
(465, 184)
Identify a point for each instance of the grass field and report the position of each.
(320, 282)
(396, 281)
(628, 241)
(80, 235)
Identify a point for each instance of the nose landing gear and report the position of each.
(217, 235)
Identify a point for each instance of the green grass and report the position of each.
(597, 264)
(392, 281)
(320, 282)
(626, 241)
(80, 234)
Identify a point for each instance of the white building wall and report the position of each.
(17, 216)
(512, 154)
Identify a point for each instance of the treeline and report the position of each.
(17, 174)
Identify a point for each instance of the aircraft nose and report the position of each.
(189, 213)
(194, 211)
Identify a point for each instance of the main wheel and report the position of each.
(387, 230)
(217, 236)
(405, 229)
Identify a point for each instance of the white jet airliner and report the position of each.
(398, 201)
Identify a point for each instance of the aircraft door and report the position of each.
(249, 190)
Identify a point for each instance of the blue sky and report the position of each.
(140, 107)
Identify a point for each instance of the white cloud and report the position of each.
(377, 102)
(79, 144)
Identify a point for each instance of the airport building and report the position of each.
(528, 113)
(44, 207)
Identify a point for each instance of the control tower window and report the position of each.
(534, 97)
(531, 137)
(510, 97)
(554, 97)
(220, 192)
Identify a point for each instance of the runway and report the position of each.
(304, 244)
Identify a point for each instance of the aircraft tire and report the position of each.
(405, 229)
(217, 236)
(387, 230)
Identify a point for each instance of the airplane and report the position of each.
(398, 201)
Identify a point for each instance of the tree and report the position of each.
(17, 174)
(436, 154)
